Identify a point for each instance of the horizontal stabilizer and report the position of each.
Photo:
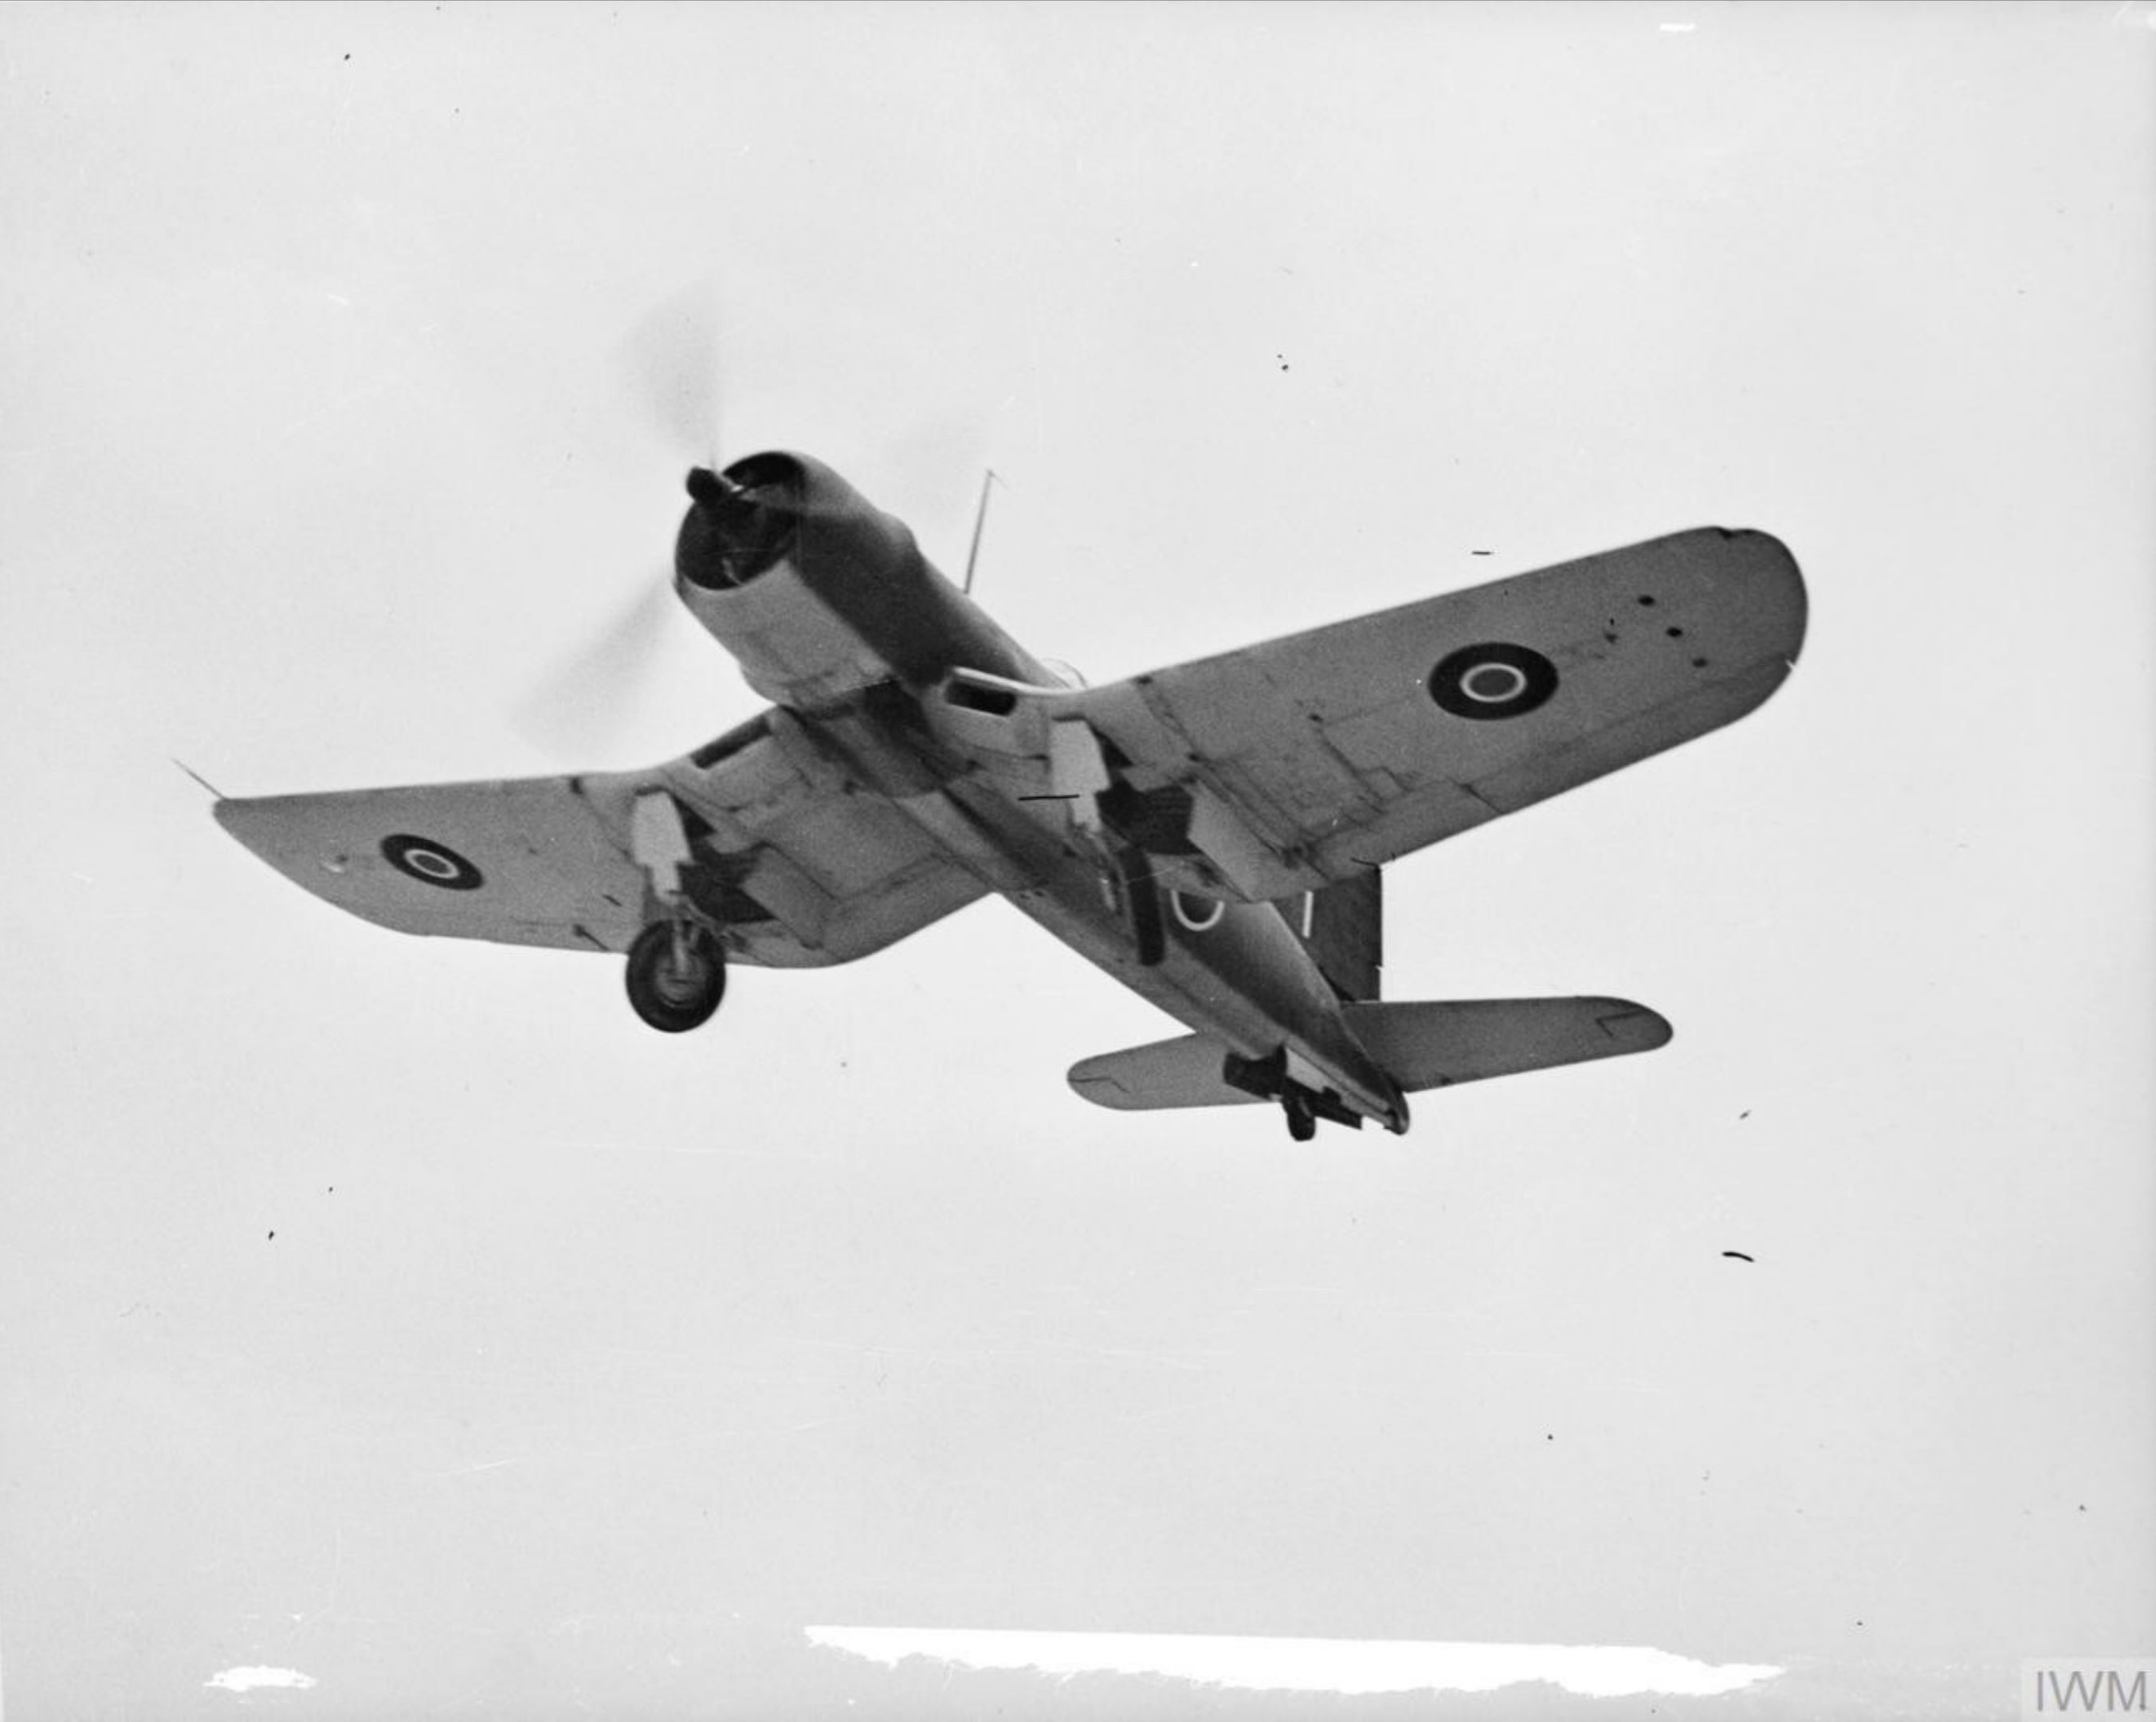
(1433, 1046)
(1183, 1072)
(1424, 1045)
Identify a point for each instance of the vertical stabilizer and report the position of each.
(1344, 927)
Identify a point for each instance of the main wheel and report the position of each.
(677, 974)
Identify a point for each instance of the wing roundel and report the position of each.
(1492, 680)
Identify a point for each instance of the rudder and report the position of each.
(1343, 929)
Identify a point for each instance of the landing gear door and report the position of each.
(1077, 773)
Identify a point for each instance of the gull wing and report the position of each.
(1283, 767)
(799, 865)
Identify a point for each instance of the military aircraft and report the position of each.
(1210, 833)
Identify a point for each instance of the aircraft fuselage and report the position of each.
(844, 624)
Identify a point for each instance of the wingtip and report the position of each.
(237, 816)
(1780, 581)
(1639, 1028)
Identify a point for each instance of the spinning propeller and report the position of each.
(671, 359)
(670, 363)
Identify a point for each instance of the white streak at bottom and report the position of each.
(1340, 1665)
(247, 1679)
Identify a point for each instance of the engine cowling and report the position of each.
(818, 593)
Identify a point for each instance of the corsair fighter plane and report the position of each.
(1210, 834)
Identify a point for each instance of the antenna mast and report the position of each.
(980, 519)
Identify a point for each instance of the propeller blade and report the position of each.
(584, 700)
(672, 357)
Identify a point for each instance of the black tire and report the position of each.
(675, 1001)
(1301, 1121)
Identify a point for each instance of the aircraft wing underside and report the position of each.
(1284, 766)
(764, 830)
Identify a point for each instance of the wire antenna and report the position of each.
(980, 519)
(198, 777)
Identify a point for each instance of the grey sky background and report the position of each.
(585, 1366)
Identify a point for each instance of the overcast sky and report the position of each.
(404, 1314)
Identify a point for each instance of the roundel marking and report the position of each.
(1495, 679)
(431, 863)
(1200, 914)
(1493, 684)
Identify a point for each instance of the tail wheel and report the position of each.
(1302, 1120)
(677, 974)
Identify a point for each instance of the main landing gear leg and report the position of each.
(677, 967)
